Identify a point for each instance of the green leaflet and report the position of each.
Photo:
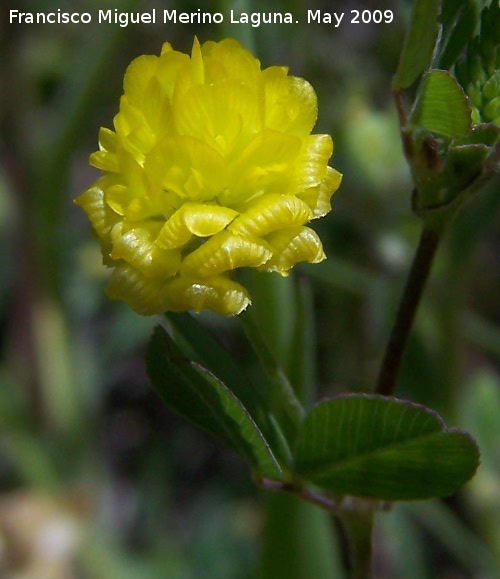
(419, 43)
(196, 394)
(200, 345)
(442, 106)
(384, 448)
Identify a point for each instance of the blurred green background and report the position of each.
(97, 478)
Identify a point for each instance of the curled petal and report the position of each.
(219, 294)
(269, 213)
(225, 252)
(291, 246)
(143, 294)
(318, 197)
(100, 214)
(136, 247)
(311, 165)
(191, 219)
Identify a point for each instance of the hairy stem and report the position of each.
(415, 285)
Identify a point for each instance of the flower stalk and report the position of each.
(412, 294)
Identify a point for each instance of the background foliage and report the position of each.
(96, 476)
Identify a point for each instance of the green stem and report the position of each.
(298, 539)
(305, 494)
(415, 285)
(358, 526)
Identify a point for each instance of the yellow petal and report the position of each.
(108, 140)
(311, 162)
(169, 67)
(318, 198)
(291, 246)
(225, 252)
(105, 161)
(143, 294)
(272, 151)
(92, 201)
(131, 126)
(136, 246)
(227, 108)
(266, 165)
(135, 198)
(118, 197)
(269, 213)
(138, 76)
(166, 48)
(197, 67)
(227, 59)
(290, 102)
(187, 166)
(220, 295)
(194, 219)
(157, 110)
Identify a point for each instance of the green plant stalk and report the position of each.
(412, 294)
(358, 527)
(297, 539)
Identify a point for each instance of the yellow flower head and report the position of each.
(211, 167)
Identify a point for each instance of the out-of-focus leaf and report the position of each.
(467, 161)
(442, 106)
(452, 534)
(196, 394)
(459, 20)
(419, 43)
(372, 446)
(483, 134)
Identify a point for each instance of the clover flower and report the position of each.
(211, 167)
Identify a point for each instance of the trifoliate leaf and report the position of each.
(388, 449)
